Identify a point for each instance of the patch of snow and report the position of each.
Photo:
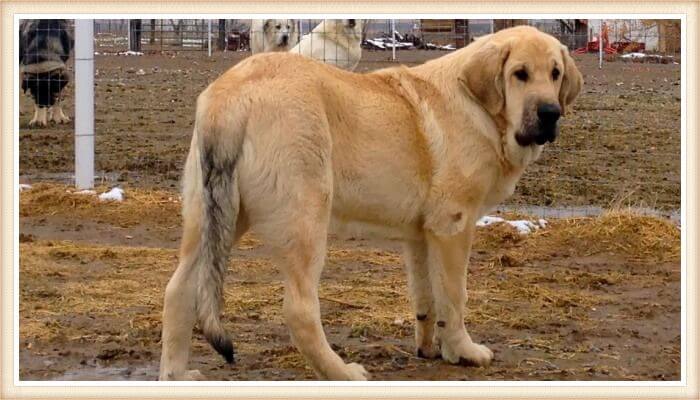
(634, 55)
(487, 220)
(24, 186)
(523, 226)
(86, 191)
(116, 194)
(130, 53)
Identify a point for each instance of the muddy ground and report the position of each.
(619, 146)
(583, 299)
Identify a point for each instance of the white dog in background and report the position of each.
(273, 35)
(334, 41)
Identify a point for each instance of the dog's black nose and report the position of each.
(548, 113)
(351, 23)
(285, 39)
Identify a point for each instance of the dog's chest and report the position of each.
(501, 190)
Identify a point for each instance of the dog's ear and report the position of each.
(571, 82)
(482, 76)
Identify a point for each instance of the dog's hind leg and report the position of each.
(288, 190)
(194, 293)
(303, 257)
(421, 295)
(179, 314)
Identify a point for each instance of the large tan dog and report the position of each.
(281, 143)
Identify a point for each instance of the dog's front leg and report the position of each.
(449, 256)
(39, 118)
(421, 295)
(57, 115)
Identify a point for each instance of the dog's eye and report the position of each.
(555, 74)
(278, 26)
(521, 74)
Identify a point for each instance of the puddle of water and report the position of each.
(98, 373)
(68, 178)
(586, 211)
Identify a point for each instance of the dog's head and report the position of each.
(351, 28)
(525, 77)
(281, 32)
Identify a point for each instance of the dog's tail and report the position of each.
(211, 191)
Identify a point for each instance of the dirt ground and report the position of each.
(620, 145)
(582, 299)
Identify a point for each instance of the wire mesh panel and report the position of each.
(619, 146)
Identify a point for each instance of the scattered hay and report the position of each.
(156, 207)
(637, 237)
(112, 295)
(623, 233)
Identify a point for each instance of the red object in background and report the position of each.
(628, 47)
(592, 46)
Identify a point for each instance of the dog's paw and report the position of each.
(59, 119)
(428, 352)
(191, 375)
(349, 372)
(37, 123)
(356, 372)
(468, 354)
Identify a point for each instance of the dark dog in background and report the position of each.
(44, 48)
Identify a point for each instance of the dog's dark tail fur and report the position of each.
(217, 191)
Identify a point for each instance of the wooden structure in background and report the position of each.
(669, 36)
(445, 31)
(500, 24)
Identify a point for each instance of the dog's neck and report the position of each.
(442, 74)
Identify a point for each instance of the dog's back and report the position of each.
(44, 40)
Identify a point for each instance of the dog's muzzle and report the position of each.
(548, 115)
(285, 40)
(543, 129)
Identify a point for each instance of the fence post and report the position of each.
(135, 34)
(209, 36)
(84, 104)
(393, 39)
(222, 35)
(600, 45)
(152, 39)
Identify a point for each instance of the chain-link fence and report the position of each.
(621, 146)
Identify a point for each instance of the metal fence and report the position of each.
(410, 41)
